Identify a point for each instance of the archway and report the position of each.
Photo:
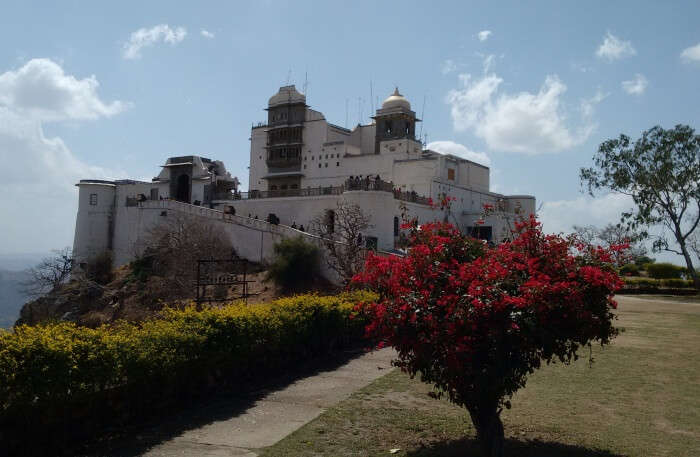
(183, 189)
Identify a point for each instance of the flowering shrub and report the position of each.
(475, 320)
(51, 372)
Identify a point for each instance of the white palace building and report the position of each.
(301, 166)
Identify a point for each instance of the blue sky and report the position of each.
(84, 94)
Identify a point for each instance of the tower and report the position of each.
(394, 120)
(286, 113)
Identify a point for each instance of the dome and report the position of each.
(396, 100)
(287, 94)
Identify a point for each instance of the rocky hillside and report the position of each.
(126, 297)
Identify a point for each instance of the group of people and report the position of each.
(364, 183)
(300, 228)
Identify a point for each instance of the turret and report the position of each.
(94, 225)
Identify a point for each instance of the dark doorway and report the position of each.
(183, 189)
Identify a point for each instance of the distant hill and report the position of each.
(11, 299)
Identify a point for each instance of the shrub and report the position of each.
(677, 283)
(296, 264)
(99, 268)
(629, 269)
(643, 261)
(50, 372)
(475, 321)
(641, 283)
(665, 271)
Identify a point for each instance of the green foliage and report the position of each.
(644, 283)
(643, 261)
(648, 283)
(665, 271)
(99, 268)
(629, 269)
(142, 267)
(661, 172)
(296, 265)
(56, 366)
(677, 283)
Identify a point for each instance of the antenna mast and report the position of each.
(371, 96)
(422, 113)
(346, 112)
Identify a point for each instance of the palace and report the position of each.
(301, 166)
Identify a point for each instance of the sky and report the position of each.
(111, 90)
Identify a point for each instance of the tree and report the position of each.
(661, 173)
(476, 320)
(341, 231)
(49, 274)
(172, 248)
(295, 266)
(613, 235)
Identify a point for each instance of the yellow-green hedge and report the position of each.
(56, 364)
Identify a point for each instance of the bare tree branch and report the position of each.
(342, 230)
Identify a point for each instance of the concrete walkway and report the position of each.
(240, 431)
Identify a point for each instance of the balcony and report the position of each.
(355, 184)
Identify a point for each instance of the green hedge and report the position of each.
(649, 283)
(52, 371)
(665, 271)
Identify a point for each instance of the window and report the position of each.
(304, 166)
(326, 164)
(93, 199)
(319, 165)
(294, 186)
(337, 164)
(396, 226)
(273, 187)
(154, 194)
(451, 174)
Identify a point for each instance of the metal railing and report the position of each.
(351, 184)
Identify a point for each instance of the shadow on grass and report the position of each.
(520, 448)
(192, 413)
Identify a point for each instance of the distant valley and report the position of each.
(11, 299)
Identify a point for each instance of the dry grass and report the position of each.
(641, 397)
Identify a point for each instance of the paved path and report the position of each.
(239, 431)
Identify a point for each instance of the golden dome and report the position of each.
(396, 100)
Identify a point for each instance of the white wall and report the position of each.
(93, 222)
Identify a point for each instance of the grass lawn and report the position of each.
(641, 397)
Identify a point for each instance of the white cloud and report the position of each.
(448, 66)
(484, 35)
(588, 104)
(459, 150)
(561, 215)
(614, 48)
(39, 172)
(41, 90)
(691, 54)
(529, 123)
(143, 38)
(635, 86)
(207, 34)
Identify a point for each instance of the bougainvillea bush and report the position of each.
(476, 320)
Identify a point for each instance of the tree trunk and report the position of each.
(689, 263)
(489, 429)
